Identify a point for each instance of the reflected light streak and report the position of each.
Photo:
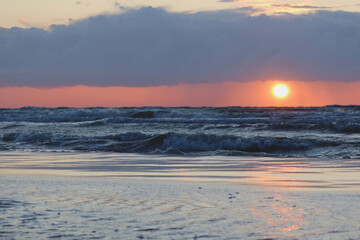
(281, 215)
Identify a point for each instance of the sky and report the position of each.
(178, 53)
(43, 13)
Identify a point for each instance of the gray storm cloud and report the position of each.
(150, 47)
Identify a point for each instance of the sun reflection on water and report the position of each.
(280, 215)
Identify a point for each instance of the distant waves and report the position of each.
(331, 131)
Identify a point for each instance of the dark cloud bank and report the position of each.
(149, 47)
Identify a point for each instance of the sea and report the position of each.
(180, 173)
(312, 132)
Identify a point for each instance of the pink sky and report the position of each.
(224, 94)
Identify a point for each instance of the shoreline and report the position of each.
(92, 196)
(289, 173)
(42, 207)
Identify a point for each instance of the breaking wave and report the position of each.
(324, 131)
(138, 142)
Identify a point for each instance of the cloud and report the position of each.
(82, 3)
(151, 47)
(286, 5)
(25, 22)
(249, 10)
(118, 5)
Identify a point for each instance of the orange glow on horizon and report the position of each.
(221, 94)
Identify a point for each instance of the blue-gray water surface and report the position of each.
(180, 173)
(316, 132)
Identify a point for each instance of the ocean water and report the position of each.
(180, 173)
(313, 132)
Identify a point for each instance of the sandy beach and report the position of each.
(73, 195)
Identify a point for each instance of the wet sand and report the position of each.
(132, 196)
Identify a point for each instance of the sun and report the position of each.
(281, 91)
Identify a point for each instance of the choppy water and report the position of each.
(331, 132)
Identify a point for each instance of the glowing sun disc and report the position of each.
(281, 90)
